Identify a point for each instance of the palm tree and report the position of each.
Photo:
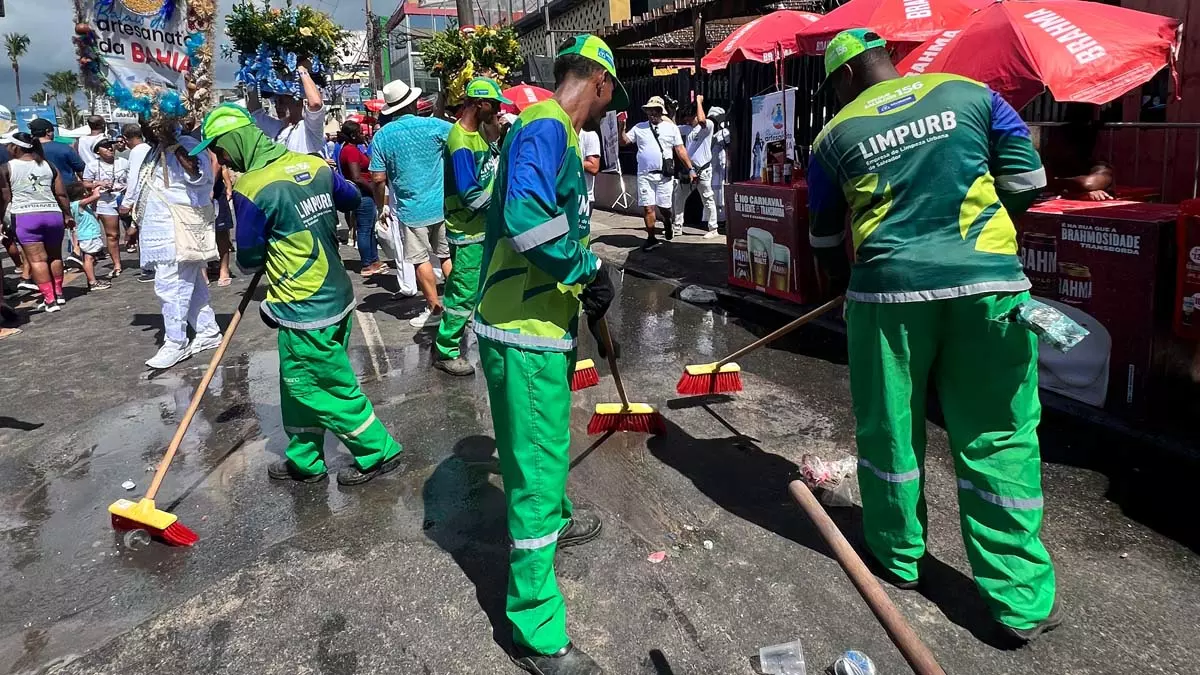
(63, 83)
(41, 97)
(72, 116)
(16, 44)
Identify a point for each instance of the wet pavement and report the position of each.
(407, 574)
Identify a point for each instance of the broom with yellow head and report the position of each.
(725, 376)
(623, 416)
(143, 515)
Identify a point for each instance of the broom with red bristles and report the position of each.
(623, 416)
(585, 375)
(725, 376)
(142, 515)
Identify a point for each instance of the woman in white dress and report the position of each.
(111, 174)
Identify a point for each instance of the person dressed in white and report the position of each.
(698, 137)
(301, 124)
(720, 147)
(589, 149)
(167, 185)
(657, 139)
(86, 145)
(111, 174)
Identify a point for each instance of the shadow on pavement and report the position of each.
(465, 515)
(751, 483)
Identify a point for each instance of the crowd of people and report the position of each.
(498, 206)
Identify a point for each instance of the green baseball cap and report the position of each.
(592, 47)
(485, 87)
(846, 45)
(223, 119)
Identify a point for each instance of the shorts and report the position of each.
(655, 189)
(224, 215)
(91, 246)
(41, 227)
(419, 242)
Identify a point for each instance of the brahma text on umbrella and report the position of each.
(917, 9)
(1084, 47)
(931, 52)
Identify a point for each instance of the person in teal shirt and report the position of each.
(286, 205)
(471, 156)
(932, 170)
(87, 239)
(537, 271)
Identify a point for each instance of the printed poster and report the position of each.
(138, 43)
(769, 114)
(610, 143)
(29, 113)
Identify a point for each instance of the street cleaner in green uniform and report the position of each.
(537, 273)
(286, 220)
(471, 156)
(933, 169)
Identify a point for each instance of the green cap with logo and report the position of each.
(223, 119)
(592, 47)
(846, 45)
(485, 87)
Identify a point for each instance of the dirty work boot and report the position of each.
(878, 569)
(283, 470)
(352, 475)
(457, 366)
(583, 527)
(1024, 635)
(567, 661)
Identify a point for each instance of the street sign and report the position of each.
(366, 93)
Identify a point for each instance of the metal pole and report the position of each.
(373, 48)
(464, 13)
(411, 56)
(549, 36)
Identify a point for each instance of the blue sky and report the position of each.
(49, 25)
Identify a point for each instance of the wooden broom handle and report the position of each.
(612, 361)
(215, 361)
(919, 658)
(782, 331)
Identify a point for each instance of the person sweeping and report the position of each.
(471, 156)
(285, 207)
(536, 272)
(932, 170)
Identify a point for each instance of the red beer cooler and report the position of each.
(767, 228)
(1106, 266)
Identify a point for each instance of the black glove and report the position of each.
(601, 348)
(597, 295)
(266, 318)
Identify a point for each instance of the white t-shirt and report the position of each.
(86, 147)
(589, 146)
(307, 141)
(651, 152)
(116, 173)
(699, 140)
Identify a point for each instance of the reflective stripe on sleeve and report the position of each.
(456, 311)
(480, 201)
(539, 542)
(826, 241)
(555, 227)
(1022, 182)
(888, 476)
(304, 430)
(1006, 502)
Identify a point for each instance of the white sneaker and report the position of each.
(677, 230)
(60, 301)
(169, 355)
(43, 307)
(427, 317)
(203, 344)
(712, 234)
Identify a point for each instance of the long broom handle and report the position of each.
(612, 361)
(919, 658)
(782, 331)
(176, 440)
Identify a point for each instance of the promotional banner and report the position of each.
(768, 241)
(769, 114)
(610, 143)
(141, 40)
(29, 113)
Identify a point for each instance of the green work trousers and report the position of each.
(462, 294)
(318, 391)
(531, 410)
(985, 371)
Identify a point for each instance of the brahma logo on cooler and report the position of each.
(1082, 46)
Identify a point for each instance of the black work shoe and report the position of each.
(352, 475)
(583, 527)
(569, 660)
(878, 569)
(285, 470)
(458, 366)
(652, 242)
(1024, 635)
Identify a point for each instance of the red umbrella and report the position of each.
(760, 39)
(524, 95)
(1085, 52)
(893, 20)
(374, 104)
